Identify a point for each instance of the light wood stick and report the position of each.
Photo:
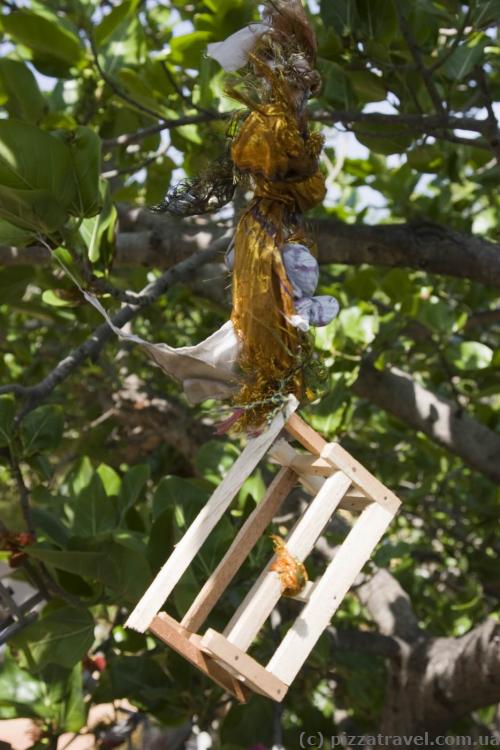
(243, 543)
(282, 452)
(361, 477)
(263, 596)
(329, 593)
(309, 438)
(240, 663)
(172, 633)
(192, 541)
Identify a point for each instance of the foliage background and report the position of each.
(103, 106)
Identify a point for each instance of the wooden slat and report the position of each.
(329, 593)
(306, 464)
(262, 598)
(249, 534)
(282, 452)
(309, 438)
(175, 636)
(192, 541)
(256, 676)
(361, 477)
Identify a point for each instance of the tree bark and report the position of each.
(444, 422)
(157, 241)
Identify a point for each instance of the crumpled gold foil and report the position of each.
(275, 147)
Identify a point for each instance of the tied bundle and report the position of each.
(275, 272)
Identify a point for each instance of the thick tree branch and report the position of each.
(390, 606)
(159, 242)
(442, 421)
(442, 680)
(421, 246)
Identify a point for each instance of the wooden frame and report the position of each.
(336, 481)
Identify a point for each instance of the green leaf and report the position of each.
(428, 158)
(463, 59)
(132, 485)
(34, 211)
(47, 524)
(187, 50)
(62, 636)
(172, 492)
(341, 14)
(110, 480)
(42, 429)
(367, 86)
(383, 138)
(94, 511)
(215, 458)
(98, 233)
(37, 183)
(15, 236)
(106, 561)
(470, 355)
(106, 28)
(85, 149)
(379, 18)
(19, 86)
(13, 283)
(140, 679)
(21, 694)
(73, 709)
(7, 414)
(44, 37)
(161, 539)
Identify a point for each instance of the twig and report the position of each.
(23, 493)
(421, 123)
(127, 138)
(493, 131)
(91, 347)
(116, 88)
(415, 51)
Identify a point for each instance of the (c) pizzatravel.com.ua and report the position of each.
(321, 740)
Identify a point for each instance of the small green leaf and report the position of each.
(383, 138)
(470, 355)
(110, 480)
(367, 86)
(176, 491)
(42, 429)
(187, 50)
(428, 158)
(106, 28)
(85, 149)
(94, 511)
(98, 233)
(463, 59)
(132, 485)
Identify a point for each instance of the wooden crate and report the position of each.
(335, 480)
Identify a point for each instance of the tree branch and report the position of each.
(443, 680)
(419, 245)
(91, 347)
(390, 606)
(159, 242)
(444, 422)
